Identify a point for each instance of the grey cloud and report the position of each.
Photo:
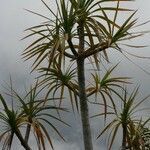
(14, 20)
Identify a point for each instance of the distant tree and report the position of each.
(79, 31)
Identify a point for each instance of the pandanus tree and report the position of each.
(12, 121)
(79, 32)
(31, 115)
(125, 117)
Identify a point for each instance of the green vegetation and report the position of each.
(76, 37)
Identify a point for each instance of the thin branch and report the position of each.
(72, 47)
(73, 90)
(93, 50)
(91, 93)
(69, 55)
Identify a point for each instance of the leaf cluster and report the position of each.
(33, 115)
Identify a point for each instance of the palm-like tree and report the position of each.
(12, 121)
(145, 134)
(37, 114)
(104, 87)
(80, 30)
(55, 79)
(126, 119)
(32, 115)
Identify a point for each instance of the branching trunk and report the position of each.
(22, 141)
(82, 93)
(27, 133)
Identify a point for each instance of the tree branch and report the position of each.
(72, 89)
(69, 55)
(72, 47)
(22, 141)
(93, 50)
(91, 93)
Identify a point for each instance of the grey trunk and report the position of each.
(87, 138)
(124, 127)
(84, 107)
(27, 133)
(22, 141)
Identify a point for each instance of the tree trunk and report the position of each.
(87, 138)
(124, 127)
(27, 133)
(22, 141)
(84, 107)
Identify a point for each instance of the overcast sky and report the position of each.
(14, 19)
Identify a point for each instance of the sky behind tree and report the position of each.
(14, 19)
